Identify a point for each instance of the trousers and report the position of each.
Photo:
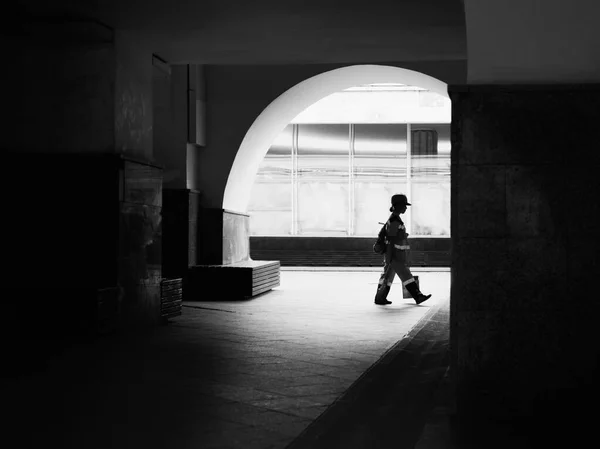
(395, 263)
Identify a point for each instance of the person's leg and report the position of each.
(385, 283)
(408, 280)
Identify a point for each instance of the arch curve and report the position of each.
(288, 105)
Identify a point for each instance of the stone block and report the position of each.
(234, 281)
(505, 359)
(480, 201)
(509, 273)
(582, 268)
(535, 201)
(495, 125)
(209, 236)
(580, 114)
(142, 183)
(496, 274)
(476, 334)
(581, 204)
(536, 272)
(236, 237)
(145, 310)
(479, 274)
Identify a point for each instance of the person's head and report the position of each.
(399, 203)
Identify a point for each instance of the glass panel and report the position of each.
(270, 206)
(431, 188)
(323, 140)
(380, 140)
(323, 176)
(371, 206)
(271, 223)
(322, 208)
(379, 172)
(430, 208)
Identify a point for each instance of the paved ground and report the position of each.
(313, 363)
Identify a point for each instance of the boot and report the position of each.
(381, 295)
(413, 289)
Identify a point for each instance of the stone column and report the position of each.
(180, 134)
(85, 192)
(525, 206)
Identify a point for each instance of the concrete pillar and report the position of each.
(85, 192)
(140, 246)
(194, 230)
(177, 152)
(524, 263)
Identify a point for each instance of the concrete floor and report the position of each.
(268, 372)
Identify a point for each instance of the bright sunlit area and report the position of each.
(332, 170)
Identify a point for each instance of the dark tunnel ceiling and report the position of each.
(275, 31)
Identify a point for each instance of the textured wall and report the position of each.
(80, 223)
(133, 96)
(236, 237)
(524, 211)
(59, 90)
(168, 137)
(79, 97)
(78, 87)
(140, 248)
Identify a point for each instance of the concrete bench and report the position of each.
(234, 281)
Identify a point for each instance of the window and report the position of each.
(379, 171)
(430, 180)
(322, 180)
(337, 180)
(424, 142)
(271, 196)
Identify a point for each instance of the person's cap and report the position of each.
(400, 199)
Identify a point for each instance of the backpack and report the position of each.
(380, 246)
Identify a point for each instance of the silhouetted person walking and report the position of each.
(396, 255)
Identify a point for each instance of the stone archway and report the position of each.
(283, 109)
